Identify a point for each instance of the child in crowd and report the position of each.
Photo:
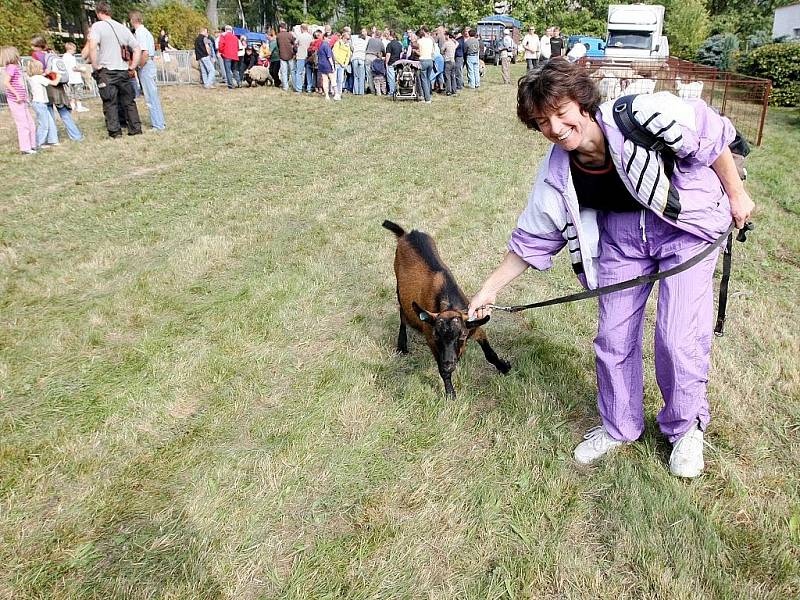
(57, 94)
(379, 76)
(46, 132)
(17, 96)
(75, 78)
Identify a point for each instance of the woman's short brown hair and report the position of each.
(542, 90)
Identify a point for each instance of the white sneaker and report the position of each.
(686, 459)
(337, 97)
(596, 443)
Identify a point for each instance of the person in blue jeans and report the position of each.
(59, 99)
(147, 71)
(472, 48)
(425, 45)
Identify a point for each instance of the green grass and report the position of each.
(200, 396)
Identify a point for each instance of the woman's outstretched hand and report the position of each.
(481, 299)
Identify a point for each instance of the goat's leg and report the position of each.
(402, 337)
(501, 365)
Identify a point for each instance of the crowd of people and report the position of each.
(306, 60)
(334, 63)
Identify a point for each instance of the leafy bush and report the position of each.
(718, 50)
(20, 20)
(178, 20)
(781, 64)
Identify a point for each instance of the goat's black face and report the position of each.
(450, 333)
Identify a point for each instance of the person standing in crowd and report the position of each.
(341, 56)
(46, 132)
(556, 43)
(202, 52)
(530, 44)
(147, 71)
(459, 59)
(505, 56)
(75, 82)
(425, 43)
(107, 38)
(544, 45)
(58, 94)
(450, 47)
(242, 39)
(229, 49)
(326, 66)
(303, 41)
(359, 46)
(472, 50)
(374, 52)
(379, 76)
(286, 51)
(315, 84)
(394, 49)
(586, 197)
(17, 96)
(274, 59)
(216, 41)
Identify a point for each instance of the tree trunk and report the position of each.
(211, 13)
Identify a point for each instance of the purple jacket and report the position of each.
(692, 199)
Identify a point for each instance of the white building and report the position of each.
(787, 22)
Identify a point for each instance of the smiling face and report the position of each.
(566, 126)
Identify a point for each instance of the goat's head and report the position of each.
(450, 329)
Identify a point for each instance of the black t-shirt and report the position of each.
(601, 187)
(556, 46)
(200, 47)
(394, 49)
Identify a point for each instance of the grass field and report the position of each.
(200, 396)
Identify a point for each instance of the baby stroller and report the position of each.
(406, 77)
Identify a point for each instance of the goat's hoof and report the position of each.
(504, 367)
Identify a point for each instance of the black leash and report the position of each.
(653, 277)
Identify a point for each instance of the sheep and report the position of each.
(431, 302)
(257, 75)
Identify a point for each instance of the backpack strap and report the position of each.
(641, 136)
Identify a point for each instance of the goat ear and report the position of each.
(476, 322)
(423, 314)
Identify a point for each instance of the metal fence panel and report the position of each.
(742, 99)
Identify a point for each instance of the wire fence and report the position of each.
(742, 99)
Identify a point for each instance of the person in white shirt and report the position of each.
(359, 45)
(75, 78)
(46, 132)
(530, 44)
(544, 45)
(146, 69)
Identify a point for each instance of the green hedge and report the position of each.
(781, 64)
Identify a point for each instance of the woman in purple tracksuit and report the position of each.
(610, 202)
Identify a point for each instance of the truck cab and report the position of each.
(635, 32)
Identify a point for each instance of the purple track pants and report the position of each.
(632, 244)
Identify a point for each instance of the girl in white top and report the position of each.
(530, 43)
(46, 132)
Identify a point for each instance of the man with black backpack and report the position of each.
(114, 52)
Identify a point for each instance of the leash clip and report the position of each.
(495, 307)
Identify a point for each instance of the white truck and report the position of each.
(635, 32)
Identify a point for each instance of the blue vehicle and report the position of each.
(595, 47)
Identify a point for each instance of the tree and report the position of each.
(686, 26)
(20, 20)
(717, 51)
(181, 22)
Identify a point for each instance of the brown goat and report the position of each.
(431, 302)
